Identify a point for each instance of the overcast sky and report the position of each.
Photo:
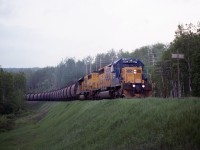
(39, 33)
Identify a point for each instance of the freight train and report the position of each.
(122, 78)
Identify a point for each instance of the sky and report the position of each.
(40, 33)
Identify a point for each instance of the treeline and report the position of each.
(167, 81)
(70, 69)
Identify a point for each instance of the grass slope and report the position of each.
(108, 124)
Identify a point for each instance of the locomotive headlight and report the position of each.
(133, 85)
(134, 72)
(143, 86)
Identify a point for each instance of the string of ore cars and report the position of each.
(122, 78)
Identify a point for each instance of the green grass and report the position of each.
(108, 124)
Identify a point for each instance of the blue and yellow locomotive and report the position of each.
(122, 78)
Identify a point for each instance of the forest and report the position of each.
(12, 91)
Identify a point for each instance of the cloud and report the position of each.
(45, 31)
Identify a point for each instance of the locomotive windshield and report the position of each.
(130, 65)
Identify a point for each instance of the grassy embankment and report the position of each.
(108, 124)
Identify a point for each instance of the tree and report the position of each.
(12, 91)
(186, 42)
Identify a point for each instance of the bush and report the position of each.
(6, 122)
